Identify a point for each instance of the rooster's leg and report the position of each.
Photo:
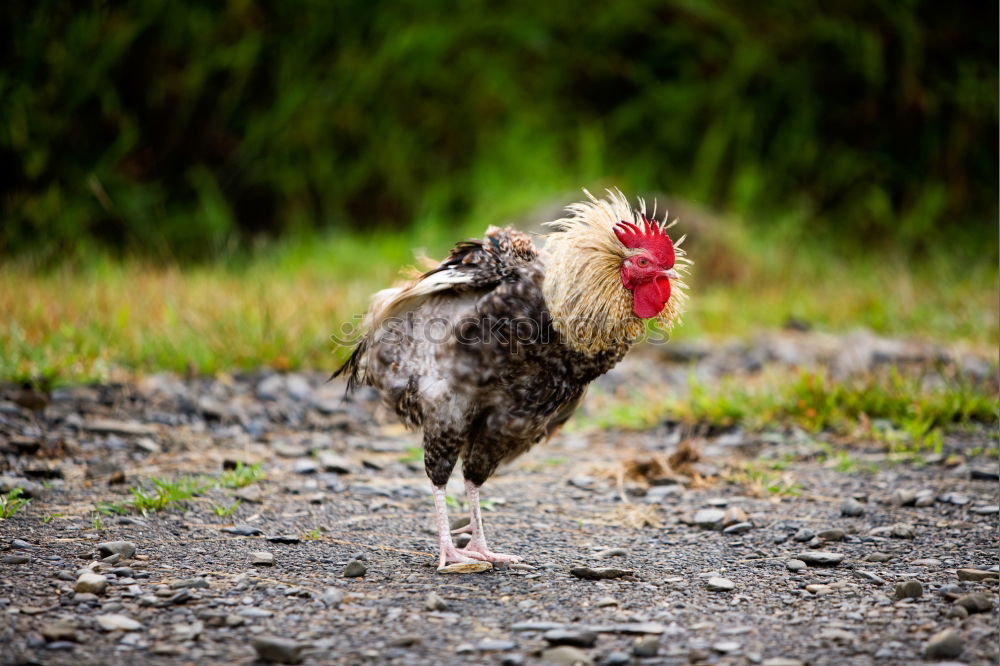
(477, 547)
(449, 554)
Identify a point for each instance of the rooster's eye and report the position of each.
(642, 262)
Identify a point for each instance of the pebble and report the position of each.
(709, 518)
(646, 646)
(878, 557)
(945, 644)
(820, 558)
(950, 591)
(262, 558)
(835, 534)
(242, 530)
(957, 613)
(987, 510)
(126, 549)
(194, 583)
(605, 602)
(496, 645)
(734, 515)
(738, 528)
(92, 583)
(795, 565)
(283, 538)
(332, 596)
(610, 552)
(957, 499)
(279, 650)
(781, 661)
(726, 647)
(118, 622)
(21, 544)
(566, 655)
(435, 602)
(851, 507)
(868, 575)
(977, 602)
(355, 569)
(719, 584)
(803, 535)
(616, 658)
(606, 573)
(924, 498)
(975, 574)
(926, 562)
(574, 637)
(84, 598)
(60, 630)
(903, 497)
(910, 589)
(304, 466)
(15, 559)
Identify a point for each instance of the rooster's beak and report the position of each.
(671, 273)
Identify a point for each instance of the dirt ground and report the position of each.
(706, 565)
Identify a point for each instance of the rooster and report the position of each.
(491, 351)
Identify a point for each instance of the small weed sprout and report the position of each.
(225, 511)
(241, 476)
(12, 502)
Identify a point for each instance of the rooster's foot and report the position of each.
(452, 555)
(486, 555)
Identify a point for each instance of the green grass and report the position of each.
(241, 476)
(11, 502)
(888, 407)
(282, 305)
(162, 494)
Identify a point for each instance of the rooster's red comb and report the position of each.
(650, 237)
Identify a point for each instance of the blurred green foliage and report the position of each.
(183, 129)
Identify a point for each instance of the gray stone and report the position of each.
(574, 637)
(355, 569)
(278, 650)
(435, 602)
(193, 583)
(851, 507)
(566, 655)
(945, 644)
(332, 596)
(803, 535)
(242, 530)
(977, 602)
(646, 646)
(610, 552)
(820, 558)
(709, 518)
(304, 466)
(92, 583)
(986, 510)
(910, 589)
(606, 573)
(738, 528)
(726, 647)
(118, 622)
(616, 658)
(21, 544)
(334, 463)
(781, 661)
(262, 558)
(834, 534)
(903, 497)
(976, 574)
(126, 549)
(957, 613)
(795, 565)
(60, 630)
(496, 645)
(924, 498)
(719, 584)
(15, 559)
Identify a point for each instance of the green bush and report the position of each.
(182, 129)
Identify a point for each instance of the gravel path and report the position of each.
(329, 558)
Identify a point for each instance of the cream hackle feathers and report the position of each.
(583, 290)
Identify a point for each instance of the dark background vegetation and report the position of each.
(181, 129)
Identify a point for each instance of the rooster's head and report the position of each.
(609, 267)
(647, 270)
